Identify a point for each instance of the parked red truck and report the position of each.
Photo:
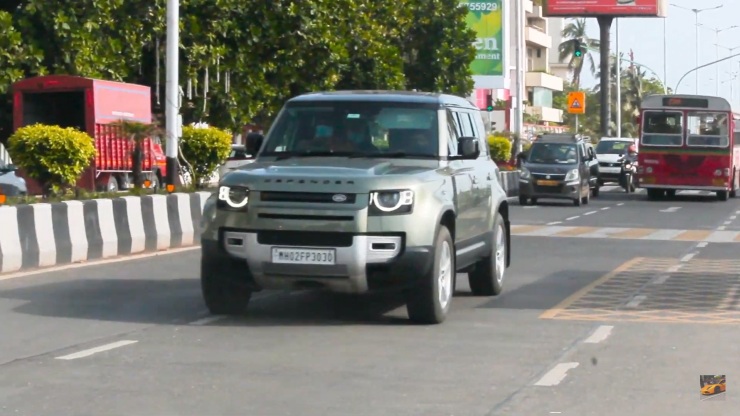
(91, 105)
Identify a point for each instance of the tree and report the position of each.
(137, 132)
(575, 34)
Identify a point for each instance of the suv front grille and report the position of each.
(311, 197)
(304, 238)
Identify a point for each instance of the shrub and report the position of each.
(52, 155)
(204, 148)
(500, 148)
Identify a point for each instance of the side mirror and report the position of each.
(254, 143)
(468, 148)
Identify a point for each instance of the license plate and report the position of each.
(548, 183)
(298, 255)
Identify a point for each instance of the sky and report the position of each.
(645, 37)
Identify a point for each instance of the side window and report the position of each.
(452, 134)
(466, 124)
(480, 133)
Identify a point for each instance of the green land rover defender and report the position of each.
(360, 191)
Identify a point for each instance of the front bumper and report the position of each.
(609, 174)
(563, 190)
(363, 262)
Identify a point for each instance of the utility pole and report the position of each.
(172, 92)
(619, 80)
(605, 24)
(519, 39)
(665, 56)
(696, 22)
(716, 47)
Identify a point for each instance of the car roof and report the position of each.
(558, 138)
(385, 95)
(617, 139)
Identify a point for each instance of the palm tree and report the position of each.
(137, 132)
(574, 33)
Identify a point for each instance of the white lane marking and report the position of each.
(601, 333)
(688, 257)
(728, 222)
(722, 228)
(556, 375)
(98, 262)
(737, 212)
(555, 413)
(721, 237)
(664, 235)
(207, 320)
(660, 279)
(729, 300)
(572, 218)
(670, 209)
(675, 268)
(554, 223)
(91, 351)
(702, 244)
(733, 217)
(605, 208)
(620, 204)
(637, 300)
(591, 213)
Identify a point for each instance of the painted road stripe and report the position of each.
(703, 244)
(207, 320)
(688, 257)
(590, 213)
(601, 333)
(636, 301)
(700, 236)
(660, 279)
(722, 228)
(605, 208)
(572, 218)
(91, 351)
(556, 375)
(675, 268)
(670, 209)
(729, 300)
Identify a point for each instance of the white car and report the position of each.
(608, 152)
(236, 159)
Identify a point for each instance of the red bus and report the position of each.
(687, 142)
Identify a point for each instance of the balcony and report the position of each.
(537, 37)
(543, 80)
(548, 114)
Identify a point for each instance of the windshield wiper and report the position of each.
(392, 155)
(310, 153)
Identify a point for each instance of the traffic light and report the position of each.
(489, 101)
(578, 50)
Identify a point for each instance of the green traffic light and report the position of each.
(578, 53)
(490, 108)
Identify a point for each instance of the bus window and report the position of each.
(706, 129)
(662, 128)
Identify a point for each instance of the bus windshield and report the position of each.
(707, 129)
(662, 128)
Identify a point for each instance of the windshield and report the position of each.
(564, 153)
(355, 128)
(662, 128)
(707, 129)
(612, 147)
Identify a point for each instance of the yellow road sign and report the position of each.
(577, 102)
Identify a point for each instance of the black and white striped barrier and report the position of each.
(43, 235)
(510, 182)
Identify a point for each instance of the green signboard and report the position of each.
(486, 18)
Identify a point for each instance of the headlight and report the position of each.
(525, 174)
(233, 197)
(391, 202)
(572, 175)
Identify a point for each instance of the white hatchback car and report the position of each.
(608, 152)
(236, 159)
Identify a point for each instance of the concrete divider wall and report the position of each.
(43, 235)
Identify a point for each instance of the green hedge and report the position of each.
(204, 148)
(52, 155)
(500, 148)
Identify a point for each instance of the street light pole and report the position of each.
(619, 79)
(696, 20)
(519, 39)
(716, 47)
(678, 84)
(665, 55)
(172, 91)
(639, 65)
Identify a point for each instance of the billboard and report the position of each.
(616, 8)
(486, 19)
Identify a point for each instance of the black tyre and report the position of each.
(522, 200)
(577, 201)
(487, 278)
(586, 199)
(222, 296)
(722, 195)
(596, 191)
(429, 302)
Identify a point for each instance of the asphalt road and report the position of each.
(586, 326)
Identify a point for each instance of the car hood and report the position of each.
(335, 174)
(552, 169)
(11, 184)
